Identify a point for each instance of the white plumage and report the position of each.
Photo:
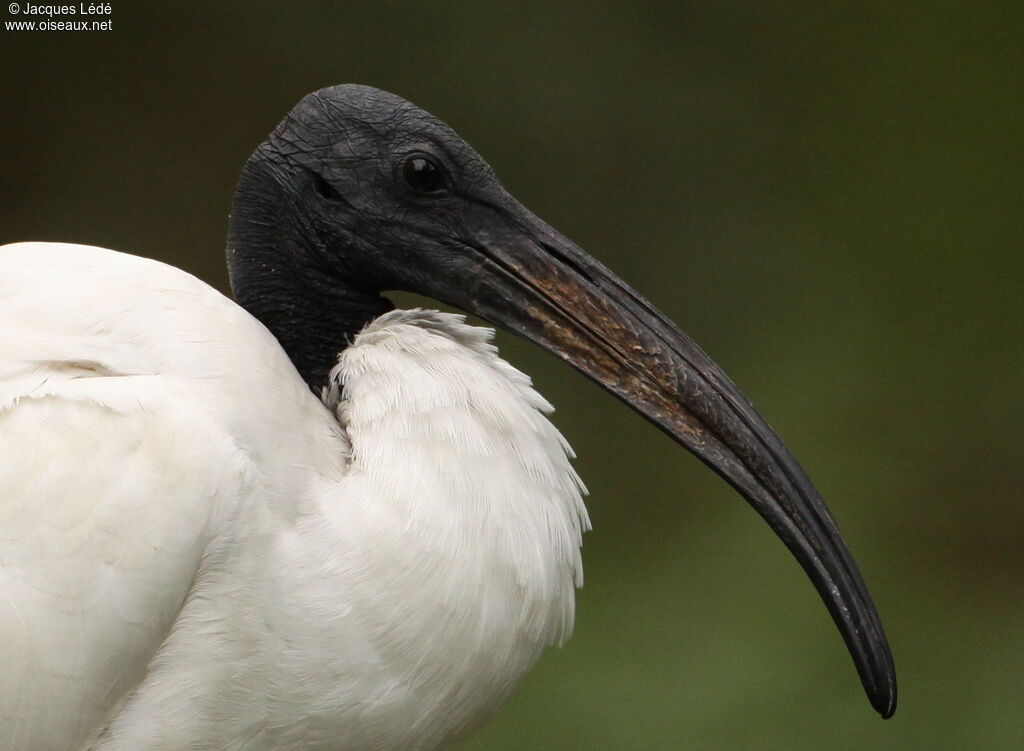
(196, 552)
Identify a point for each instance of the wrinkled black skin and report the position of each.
(311, 267)
(323, 221)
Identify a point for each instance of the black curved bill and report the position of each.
(531, 280)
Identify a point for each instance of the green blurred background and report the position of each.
(826, 196)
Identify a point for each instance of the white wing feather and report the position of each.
(116, 466)
(194, 555)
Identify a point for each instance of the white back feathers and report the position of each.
(195, 553)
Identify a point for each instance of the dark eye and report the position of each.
(324, 189)
(423, 174)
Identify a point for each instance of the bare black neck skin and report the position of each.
(278, 275)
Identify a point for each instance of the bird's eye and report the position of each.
(423, 174)
(324, 189)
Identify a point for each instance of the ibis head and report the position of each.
(357, 192)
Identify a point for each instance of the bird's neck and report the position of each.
(313, 315)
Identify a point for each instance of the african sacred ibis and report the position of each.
(309, 521)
